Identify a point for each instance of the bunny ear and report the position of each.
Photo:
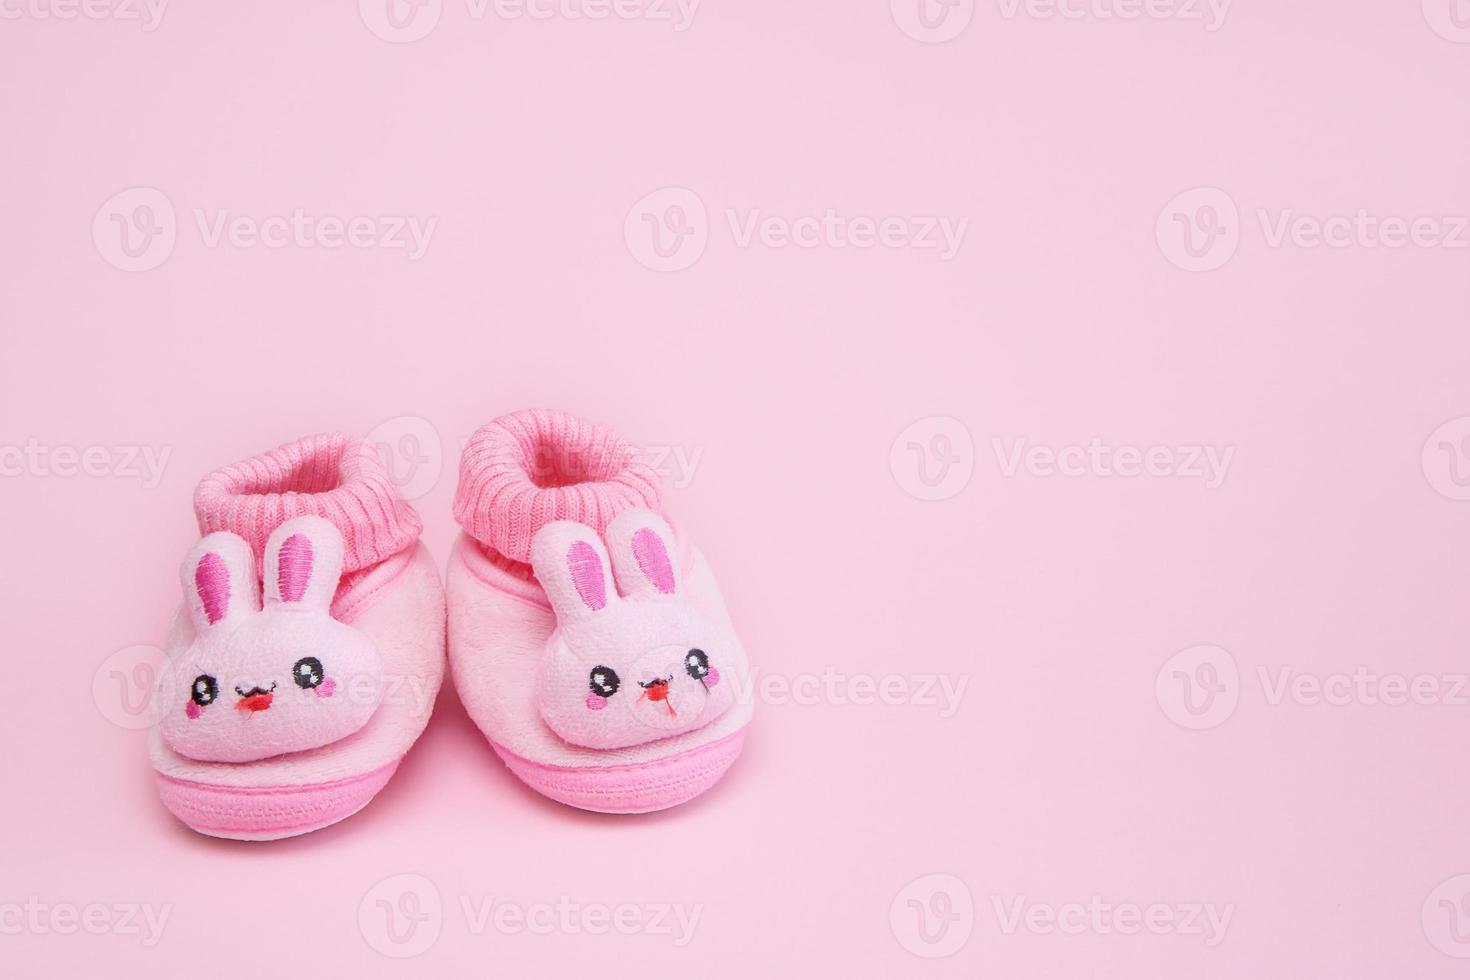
(303, 563)
(218, 578)
(642, 548)
(571, 565)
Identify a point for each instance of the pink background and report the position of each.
(1328, 546)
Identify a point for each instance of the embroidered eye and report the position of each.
(696, 662)
(308, 673)
(604, 681)
(204, 691)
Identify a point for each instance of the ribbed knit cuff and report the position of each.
(527, 469)
(332, 476)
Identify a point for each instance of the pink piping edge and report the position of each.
(628, 767)
(279, 788)
(601, 788)
(340, 801)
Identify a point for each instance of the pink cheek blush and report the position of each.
(712, 678)
(596, 701)
(326, 688)
(192, 710)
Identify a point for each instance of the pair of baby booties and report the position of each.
(587, 638)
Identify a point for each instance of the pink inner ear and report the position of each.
(586, 569)
(212, 582)
(293, 567)
(653, 558)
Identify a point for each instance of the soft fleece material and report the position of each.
(588, 639)
(289, 702)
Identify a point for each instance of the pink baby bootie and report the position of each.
(587, 638)
(309, 649)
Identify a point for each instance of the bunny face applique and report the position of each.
(631, 660)
(265, 678)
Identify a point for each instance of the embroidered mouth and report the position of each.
(658, 690)
(255, 699)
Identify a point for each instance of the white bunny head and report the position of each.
(630, 664)
(260, 680)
